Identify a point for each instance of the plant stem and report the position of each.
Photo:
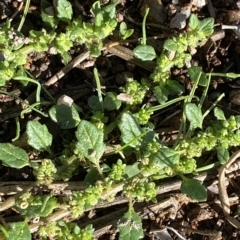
(205, 92)
(32, 107)
(213, 105)
(24, 15)
(133, 140)
(17, 129)
(210, 166)
(166, 104)
(95, 71)
(23, 78)
(144, 39)
(99, 169)
(4, 231)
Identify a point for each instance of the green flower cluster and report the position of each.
(118, 170)
(221, 133)
(185, 165)
(147, 165)
(84, 201)
(136, 90)
(177, 46)
(92, 34)
(45, 171)
(203, 141)
(140, 189)
(224, 133)
(68, 167)
(70, 161)
(143, 115)
(99, 119)
(66, 230)
(152, 147)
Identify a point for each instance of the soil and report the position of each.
(174, 213)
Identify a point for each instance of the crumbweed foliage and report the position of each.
(153, 160)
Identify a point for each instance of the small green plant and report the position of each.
(66, 230)
(174, 54)
(144, 51)
(20, 229)
(14, 47)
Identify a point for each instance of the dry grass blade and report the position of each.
(223, 192)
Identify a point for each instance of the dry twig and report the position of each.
(223, 192)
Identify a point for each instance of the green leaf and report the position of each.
(124, 32)
(94, 103)
(194, 73)
(161, 93)
(174, 87)
(47, 14)
(43, 206)
(92, 176)
(232, 75)
(194, 189)
(144, 52)
(165, 157)
(132, 170)
(66, 117)
(122, 28)
(130, 226)
(128, 33)
(206, 26)
(38, 136)
(64, 10)
(222, 154)
(96, 8)
(90, 140)
(219, 114)
(237, 118)
(110, 10)
(21, 72)
(130, 129)
(193, 21)
(194, 115)
(170, 45)
(94, 50)
(19, 231)
(149, 136)
(99, 19)
(65, 56)
(13, 156)
(111, 102)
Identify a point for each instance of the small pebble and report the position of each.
(179, 20)
(199, 3)
(65, 100)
